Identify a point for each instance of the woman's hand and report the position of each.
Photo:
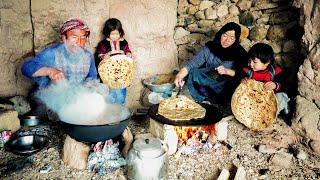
(223, 70)
(270, 85)
(178, 81)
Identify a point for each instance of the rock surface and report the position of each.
(21, 105)
(307, 117)
(15, 45)
(9, 121)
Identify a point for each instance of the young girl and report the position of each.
(114, 43)
(262, 68)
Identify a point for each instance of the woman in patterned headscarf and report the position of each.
(212, 72)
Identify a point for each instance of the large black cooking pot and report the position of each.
(95, 133)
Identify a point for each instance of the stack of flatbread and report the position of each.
(253, 105)
(117, 71)
(181, 108)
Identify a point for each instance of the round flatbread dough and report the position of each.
(253, 105)
(181, 108)
(117, 71)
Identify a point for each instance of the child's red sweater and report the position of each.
(265, 75)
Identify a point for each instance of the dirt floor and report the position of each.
(242, 148)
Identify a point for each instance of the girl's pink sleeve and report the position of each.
(101, 49)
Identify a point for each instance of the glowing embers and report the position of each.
(195, 135)
(190, 139)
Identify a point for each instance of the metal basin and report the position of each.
(160, 83)
(30, 121)
(26, 144)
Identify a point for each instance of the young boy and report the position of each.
(262, 68)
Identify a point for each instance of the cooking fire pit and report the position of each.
(189, 132)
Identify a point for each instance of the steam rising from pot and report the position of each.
(82, 103)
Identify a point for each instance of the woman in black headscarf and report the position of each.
(214, 71)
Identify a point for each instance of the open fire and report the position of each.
(195, 134)
(190, 138)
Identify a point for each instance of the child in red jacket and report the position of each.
(262, 68)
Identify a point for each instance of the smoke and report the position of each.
(82, 103)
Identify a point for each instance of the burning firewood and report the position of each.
(196, 134)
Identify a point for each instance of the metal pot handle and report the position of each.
(165, 145)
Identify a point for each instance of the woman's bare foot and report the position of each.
(128, 138)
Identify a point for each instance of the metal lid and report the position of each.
(149, 147)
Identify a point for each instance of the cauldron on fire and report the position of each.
(93, 133)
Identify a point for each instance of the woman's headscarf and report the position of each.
(235, 52)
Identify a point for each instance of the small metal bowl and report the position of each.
(30, 121)
(28, 144)
(160, 83)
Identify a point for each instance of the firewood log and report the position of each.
(75, 153)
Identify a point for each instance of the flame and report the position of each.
(196, 134)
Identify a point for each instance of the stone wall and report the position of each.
(275, 22)
(47, 17)
(15, 45)
(307, 116)
(149, 28)
(294, 36)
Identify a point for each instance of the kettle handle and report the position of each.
(164, 144)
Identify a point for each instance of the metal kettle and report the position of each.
(147, 160)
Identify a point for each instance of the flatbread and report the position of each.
(253, 105)
(181, 108)
(117, 71)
